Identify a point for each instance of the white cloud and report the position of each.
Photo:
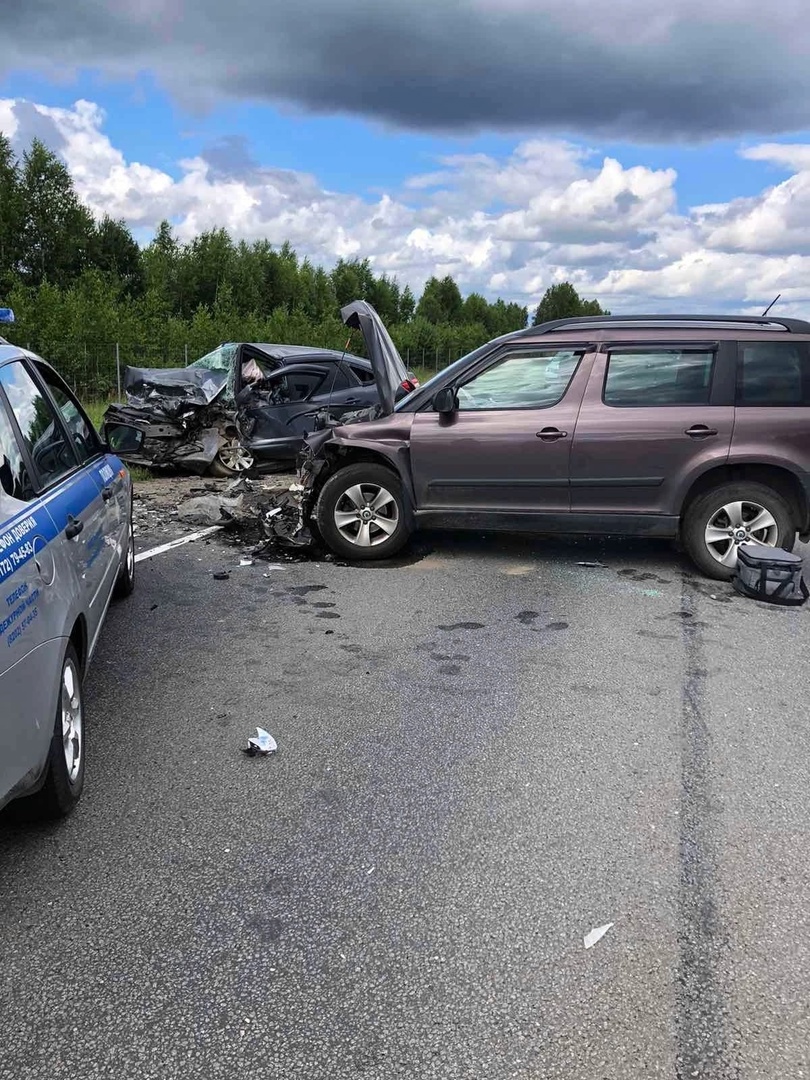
(549, 211)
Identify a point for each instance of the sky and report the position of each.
(656, 153)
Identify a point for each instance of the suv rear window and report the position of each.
(637, 378)
(773, 373)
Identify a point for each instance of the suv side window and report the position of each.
(639, 377)
(14, 478)
(85, 440)
(42, 431)
(773, 373)
(534, 379)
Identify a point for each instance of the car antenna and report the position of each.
(338, 366)
(768, 308)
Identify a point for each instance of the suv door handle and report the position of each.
(107, 493)
(551, 434)
(73, 527)
(700, 431)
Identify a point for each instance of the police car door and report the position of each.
(104, 468)
(67, 488)
(32, 614)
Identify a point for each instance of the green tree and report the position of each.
(57, 229)
(562, 301)
(11, 216)
(440, 302)
(114, 251)
(407, 305)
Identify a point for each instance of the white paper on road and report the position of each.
(596, 935)
(141, 555)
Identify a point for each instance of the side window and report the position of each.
(14, 478)
(303, 384)
(637, 378)
(42, 433)
(773, 373)
(525, 380)
(363, 375)
(79, 428)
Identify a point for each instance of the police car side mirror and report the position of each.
(123, 439)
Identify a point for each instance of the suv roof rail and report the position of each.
(598, 322)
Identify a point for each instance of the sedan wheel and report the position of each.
(232, 458)
(72, 720)
(64, 776)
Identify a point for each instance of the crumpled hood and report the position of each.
(195, 386)
(389, 370)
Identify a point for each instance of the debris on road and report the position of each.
(596, 935)
(593, 565)
(261, 744)
(211, 509)
(221, 575)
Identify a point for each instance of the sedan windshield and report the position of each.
(218, 360)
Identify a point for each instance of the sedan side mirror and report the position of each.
(123, 439)
(445, 401)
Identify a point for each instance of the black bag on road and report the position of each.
(770, 574)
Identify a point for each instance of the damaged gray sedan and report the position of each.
(242, 405)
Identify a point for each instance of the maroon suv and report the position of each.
(695, 427)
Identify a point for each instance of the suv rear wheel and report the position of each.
(361, 512)
(717, 522)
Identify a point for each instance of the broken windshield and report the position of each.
(218, 360)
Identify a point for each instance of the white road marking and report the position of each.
(141, 555)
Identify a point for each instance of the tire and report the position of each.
(224, 464)
(732, 509)
(125, 582)
(63, 785)
(351, 494)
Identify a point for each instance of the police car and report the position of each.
(66, 547)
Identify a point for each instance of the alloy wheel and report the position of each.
(738, 523)
(366, 515)
(72, 733)
(234, 456)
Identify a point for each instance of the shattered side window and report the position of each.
(218, 360)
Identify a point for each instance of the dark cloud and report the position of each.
(724, 67)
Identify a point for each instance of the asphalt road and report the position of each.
(483, 755)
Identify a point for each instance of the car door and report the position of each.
(653, 416)
(285, 404)
(67, 487)
(31, 617)
(105, 469)
(507, 445)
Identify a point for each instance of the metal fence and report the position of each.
(95, 369)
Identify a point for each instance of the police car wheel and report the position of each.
(125, 582)
(64, 777)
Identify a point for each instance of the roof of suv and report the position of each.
(652, 326)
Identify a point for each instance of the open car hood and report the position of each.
(389, 370)
(195, 386)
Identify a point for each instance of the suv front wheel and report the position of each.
(717, 522)
(361, 512)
